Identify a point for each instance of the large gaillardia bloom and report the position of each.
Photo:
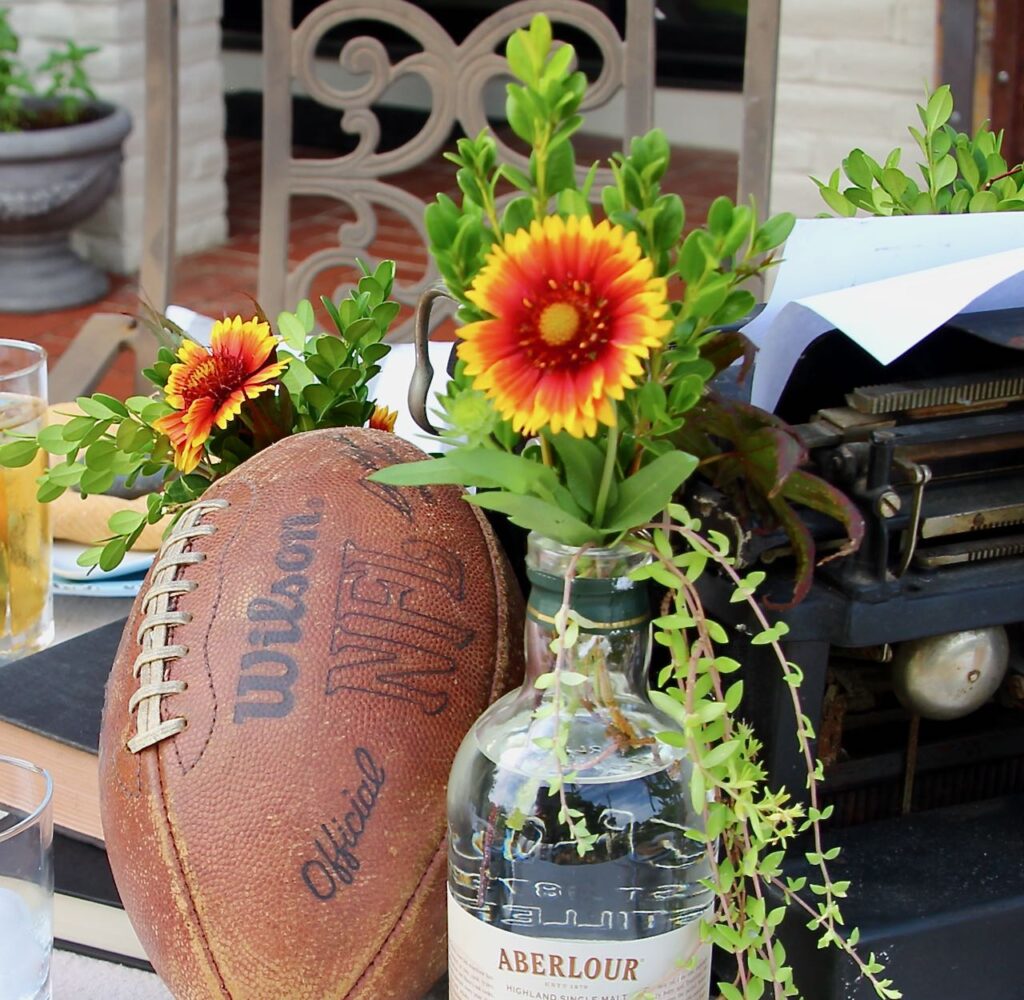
(208, 387)
(573, 309)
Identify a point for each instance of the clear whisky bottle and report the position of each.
(531, 915)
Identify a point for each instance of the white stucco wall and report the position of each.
(113, 237)
(850, 74)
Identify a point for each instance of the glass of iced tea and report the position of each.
(26, 607)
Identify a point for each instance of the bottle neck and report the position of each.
(606, 605)
(613, 614)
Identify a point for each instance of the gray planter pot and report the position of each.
(50, 181)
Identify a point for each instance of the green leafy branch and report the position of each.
(326, 384)
(961, 173)
(752, 824)
(712, 264)
(329, 374)
(635, 201)
(542, 110)
(106, 441)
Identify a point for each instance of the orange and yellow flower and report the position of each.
(574, 309)
(208, 387)
(383, 419)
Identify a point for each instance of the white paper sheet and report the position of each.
(886, 283)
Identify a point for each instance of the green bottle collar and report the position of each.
(606, 603)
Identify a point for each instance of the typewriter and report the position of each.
(913, 654)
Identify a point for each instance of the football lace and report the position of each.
(154, 632)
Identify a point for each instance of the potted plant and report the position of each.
(60, 151)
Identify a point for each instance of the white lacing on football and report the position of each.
(153, 636)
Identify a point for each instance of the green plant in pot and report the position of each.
(60, 154)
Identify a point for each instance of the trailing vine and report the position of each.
(748, 829)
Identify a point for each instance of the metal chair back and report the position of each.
(455, 75)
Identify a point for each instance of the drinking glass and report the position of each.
(26, 880)
(26, 606)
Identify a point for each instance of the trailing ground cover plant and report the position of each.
(579, 408)
(960, 173)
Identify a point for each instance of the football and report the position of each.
(298, 670)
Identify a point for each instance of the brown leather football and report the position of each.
(296, 675)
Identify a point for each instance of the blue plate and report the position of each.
(120, 586)
(66, 568)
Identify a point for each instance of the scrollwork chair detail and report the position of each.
(456, 76)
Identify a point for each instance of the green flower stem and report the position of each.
(608, 472)
(545, 451)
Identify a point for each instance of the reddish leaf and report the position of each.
(754, 458)
(258, 312)
(803, 551)
(765, 446)
(812, 491)
(769, 456)
(726, 347)
(167, 332)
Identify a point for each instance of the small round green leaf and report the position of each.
(48, 491)
(124, 522)
(18, 454)
(112, 554)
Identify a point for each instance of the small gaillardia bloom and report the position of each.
(207, 388)
(383, 419)
(573, 309)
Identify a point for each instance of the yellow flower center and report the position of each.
(558, 323)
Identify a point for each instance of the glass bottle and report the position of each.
(529, 914)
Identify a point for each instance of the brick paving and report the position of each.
(221, 280)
